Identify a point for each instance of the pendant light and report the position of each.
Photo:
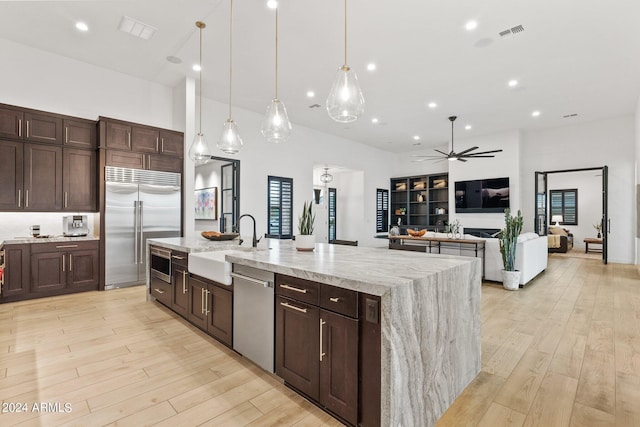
(345, 102)
(326, 177)
(199, 151)
(276, 126)
(230, 141)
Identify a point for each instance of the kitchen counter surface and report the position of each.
(198, 244)
(52, 239)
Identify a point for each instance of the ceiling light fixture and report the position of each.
(471, 25)
(416, 137)
(513, 83)
(81, 26)
(276, 126)
(326, 177)
(272, 4)
(371, 66)
(432, 105)
(230, 141)
(196, 67)
(374, 120)
(535, 113)
(467, 127)
(310, 94)
(199, 151)
(345, 102)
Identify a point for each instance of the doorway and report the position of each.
(544, 206)
(225, 174)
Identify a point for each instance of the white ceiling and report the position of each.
(575, 56)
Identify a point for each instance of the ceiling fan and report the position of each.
(461, 156)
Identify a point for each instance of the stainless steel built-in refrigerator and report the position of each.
(140, 205)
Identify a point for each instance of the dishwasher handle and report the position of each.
(265, 283)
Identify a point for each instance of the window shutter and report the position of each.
(280, 207)
(382, 209)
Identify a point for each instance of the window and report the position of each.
(382, 210)
(565, 203)
(280, 207)
(333, 196)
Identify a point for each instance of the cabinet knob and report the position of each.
(334, 299)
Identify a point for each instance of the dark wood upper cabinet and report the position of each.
(43, 128)
(79, 134)
(172, 143)
(118, 135)
(11, 123)
(42, 177)
(79, 180)
(145, 140)
(11, 175)
(158, 162)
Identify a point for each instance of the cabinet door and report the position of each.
(197, 300)
(180, 290)
(79, 180)
(11, 175)
(11, 123)
(48, 271)
(145, 140)
(82, 269)
(172, 143)
(297, 345)
(16, 271)
(220, 317)
(158, 162)
(79, 134)
(118, 136)
(339, 365)
(43, 128)
(125, 159)
(43, 177)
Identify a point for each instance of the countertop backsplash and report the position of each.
(16, 224)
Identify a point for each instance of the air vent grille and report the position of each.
(314, 106)
(511, 31)
(140, 176)
(570, 115)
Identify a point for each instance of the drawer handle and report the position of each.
(177, 257)
(334, 299)
(293, 307)
(160, 291)
(292, 288)
(66, 246)
(322, 353)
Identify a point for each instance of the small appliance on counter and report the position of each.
(74, 225)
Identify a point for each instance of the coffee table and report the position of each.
(593, 241)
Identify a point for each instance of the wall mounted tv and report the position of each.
(482, 195)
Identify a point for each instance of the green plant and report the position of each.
(306, 219)
(598, 227)
(508, 238)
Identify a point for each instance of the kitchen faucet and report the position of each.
(255, 240)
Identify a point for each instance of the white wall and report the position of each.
(589, 186)
(207, 176)
(606, 142)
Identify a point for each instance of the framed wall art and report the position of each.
(206, 206)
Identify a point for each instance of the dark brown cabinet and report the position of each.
(211, 308)
(79, 180)
(317, 349)
(118, 135)
(11, 123)
(43, 128)
(64, 267)
(420, 202)
(42, 177)
(172, 143)
(180, 283)
(79, 134)
(11, 175)
(15, 280)
(145, 140)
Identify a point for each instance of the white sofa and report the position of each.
(531, 255)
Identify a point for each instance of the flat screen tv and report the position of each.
(482, 195)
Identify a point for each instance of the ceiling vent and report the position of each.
(570, 115)
(314, 106)
(136, 28)
(511, 31)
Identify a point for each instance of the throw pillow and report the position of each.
(557, 230)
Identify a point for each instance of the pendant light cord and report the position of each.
(345, 33)
(230, 50)
(276, 53)
(452, 135)
(201, 26)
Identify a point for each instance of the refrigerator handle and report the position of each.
(140, 226)
(135, 231)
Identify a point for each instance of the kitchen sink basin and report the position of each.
(211, 265)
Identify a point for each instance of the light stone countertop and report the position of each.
(52, 239)
(198, 244)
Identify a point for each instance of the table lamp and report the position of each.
(557, 219)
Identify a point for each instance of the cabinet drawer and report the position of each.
(342, 301)
(125, 159)
(299, 289)
(160, 290)
(64, 246)
(180, 258)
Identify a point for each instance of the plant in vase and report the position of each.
(306, 241)
(508, 238)
(598, 228)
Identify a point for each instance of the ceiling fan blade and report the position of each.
(475, 157)
(467, 150)
(484, 152)
(422, 156)
(461, 159)
(442, 152)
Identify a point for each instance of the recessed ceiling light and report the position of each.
(535, 113)
(81, 26)
(467, 127)
(310, 94)
(471, 25)
(272, 4)
(197, 67)
(432, 105)
(371, 66)
(416, 137)
(374, 120)
(513, 83)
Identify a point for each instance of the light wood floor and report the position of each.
(565, 351)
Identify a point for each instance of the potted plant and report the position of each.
(306, 241)
(598, 228)
(508, 239)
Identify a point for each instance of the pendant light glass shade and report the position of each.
(199, 151)
(345, 102)
(230, 142)
(276, 126)
(326, 177)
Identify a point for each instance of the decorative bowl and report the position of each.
(217, 236)
(416, 233)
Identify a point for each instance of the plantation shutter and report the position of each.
(280, 207)
(382, 209)
(565, 203)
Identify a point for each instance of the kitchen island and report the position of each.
(429, 316)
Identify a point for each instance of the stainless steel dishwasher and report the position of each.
(253, 315)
